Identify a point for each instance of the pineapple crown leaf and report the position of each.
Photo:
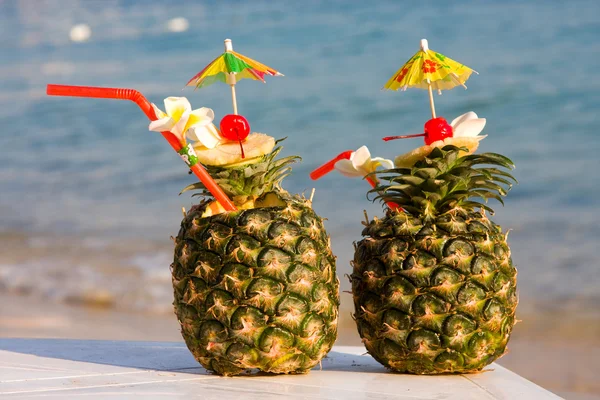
(252, 179)
(280, 140)
(193, 186)
(445, 180)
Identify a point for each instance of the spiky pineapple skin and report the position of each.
(428, 301)
(256, 289)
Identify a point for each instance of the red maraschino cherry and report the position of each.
(235, 127)
(435, 129)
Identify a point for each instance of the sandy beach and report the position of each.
(559, 352)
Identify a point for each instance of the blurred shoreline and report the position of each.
(125, 274)
(132, 274)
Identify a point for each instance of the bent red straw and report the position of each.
(330, 166)
(144, 104)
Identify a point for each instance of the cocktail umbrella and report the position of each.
(231, 67)
(429, 70)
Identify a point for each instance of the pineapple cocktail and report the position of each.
(253, 274)
(433, 282)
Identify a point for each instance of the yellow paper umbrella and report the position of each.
(429, 70)
(230, 67)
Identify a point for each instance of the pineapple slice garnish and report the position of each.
(407, 160)
(270, 200)
(255, 145)
(214, 207)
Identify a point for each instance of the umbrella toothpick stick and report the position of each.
(144, 104)
(431, 103)
(233, 100)
(425, 47)
(231, 81)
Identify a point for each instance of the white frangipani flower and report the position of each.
(360, 163)
(202, 129)
(467, 125)
(181, 120)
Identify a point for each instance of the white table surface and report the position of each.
(77, 369)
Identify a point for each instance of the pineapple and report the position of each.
(254, 289)
(434, 285)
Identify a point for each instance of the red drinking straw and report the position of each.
(144, 104)
(330, 166)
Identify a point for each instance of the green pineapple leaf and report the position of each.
(444, 180)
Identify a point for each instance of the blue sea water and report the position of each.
(90, 168)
